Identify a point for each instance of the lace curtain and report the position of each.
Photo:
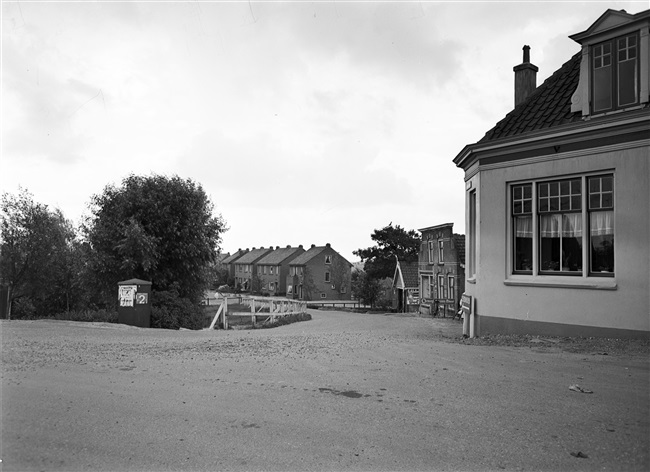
(524, 227)
(566, 225)
(601, 223)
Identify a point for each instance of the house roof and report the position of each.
(307, 255)
(409, 272)
(443, 225)
(230, 259)
(252, 256)
(279, 255)
(134, 282)
(548, 106)
(459, 243)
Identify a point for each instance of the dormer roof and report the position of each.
(608, 22)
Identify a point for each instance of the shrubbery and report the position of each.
(284, 320)
(24, 310)
(98, 316)
(169, 311)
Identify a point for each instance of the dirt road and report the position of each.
(340, 392)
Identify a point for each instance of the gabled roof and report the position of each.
(609, 20)
(308, 255)
(279, 255)
(548, 106)
(232, 258)
(252, 256)
(312, 252)
(407, 273)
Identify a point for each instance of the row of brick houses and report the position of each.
(318, 273)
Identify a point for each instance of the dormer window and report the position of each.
(615, 73)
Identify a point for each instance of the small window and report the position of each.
(432, 248)
(327, 276)
(323, 295)
(452, 287)
(289, 289)
(328, 259)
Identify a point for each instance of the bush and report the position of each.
(23, 309)
(97, 316)
(284, 320)
(170, 311)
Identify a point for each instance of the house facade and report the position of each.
(441, 270)
(246, 267)
(557, 214)
(273, 269)
(320, 273)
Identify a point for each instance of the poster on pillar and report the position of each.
(127, 294)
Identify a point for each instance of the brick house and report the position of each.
(320, 273)
(441, 270)
(246, 267)
(273, 269)
(229, 262)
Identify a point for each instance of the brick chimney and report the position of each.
(525, 78)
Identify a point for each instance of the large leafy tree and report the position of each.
(36, 246)
(156, 228)
(392, 241)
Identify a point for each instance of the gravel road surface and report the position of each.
(341, 392)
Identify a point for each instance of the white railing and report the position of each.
(259, 306)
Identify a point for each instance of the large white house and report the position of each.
(558, 194)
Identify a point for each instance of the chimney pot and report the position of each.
(525, 78)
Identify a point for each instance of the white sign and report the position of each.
(127, 294)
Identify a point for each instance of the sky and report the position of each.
(304, 122)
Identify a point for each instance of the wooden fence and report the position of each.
(272, 308)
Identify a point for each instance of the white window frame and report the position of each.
(585, 278)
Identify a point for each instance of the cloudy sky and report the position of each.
(305, 122)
